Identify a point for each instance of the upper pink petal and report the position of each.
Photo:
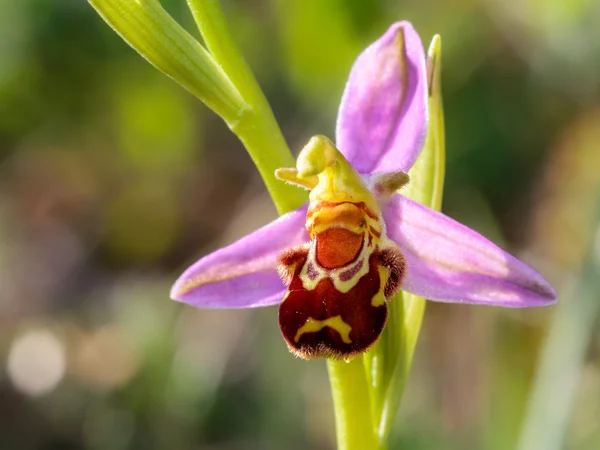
(382, 120)
(243, 274)
(449, 262)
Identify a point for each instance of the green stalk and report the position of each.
(264, 142)
(352, 406)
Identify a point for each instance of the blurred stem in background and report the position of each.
(367, 390)
(559, 371)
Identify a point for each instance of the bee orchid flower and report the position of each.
(333, 264)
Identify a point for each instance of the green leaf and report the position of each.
(155, 35)
(216, 79)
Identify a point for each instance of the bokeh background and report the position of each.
(113, 179)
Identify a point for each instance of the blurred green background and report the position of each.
(113, 179)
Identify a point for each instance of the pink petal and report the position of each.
(449, 262)
(243, 274)
(382, 120)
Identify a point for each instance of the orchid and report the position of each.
(334, 263)
(350, 268)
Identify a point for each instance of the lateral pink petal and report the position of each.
(449, 262)
(382, 119)
(243, 274)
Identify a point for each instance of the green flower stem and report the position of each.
(352, 405)
(264, 142)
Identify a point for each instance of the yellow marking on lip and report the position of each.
(312, 326)
(379, 298)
